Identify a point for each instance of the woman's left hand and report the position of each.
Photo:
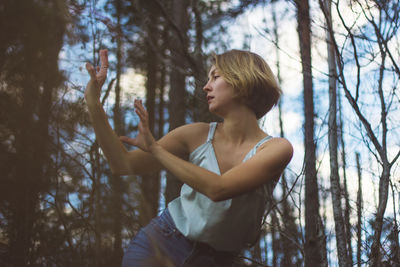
(144, 140)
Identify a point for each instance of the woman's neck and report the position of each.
(240, 126)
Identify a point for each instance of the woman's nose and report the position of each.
(206, 87)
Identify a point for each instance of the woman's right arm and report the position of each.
(112, 148)
(121, 161)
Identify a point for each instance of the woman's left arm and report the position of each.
(266, 165)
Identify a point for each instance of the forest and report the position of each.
(337, 62)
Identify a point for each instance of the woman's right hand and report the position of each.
(97, 77)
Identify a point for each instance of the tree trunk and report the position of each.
(200, 105)
(116, 183)
(162, 84)
(150, 183)
(96, 203)
(314, 235)
(177, 92)
(341, 244)
(25, 200)
(378, 224)
(395, 246)
(347, 211)
(359, 211)
(386, 166)
(274, 238)
(34, 87)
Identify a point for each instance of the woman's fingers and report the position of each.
(103, 63)
(124, 139)
(144, 139)
(142, 117)
(139, 106)
(104, 58)
(91, 71)
(141, 112)
(127, 140)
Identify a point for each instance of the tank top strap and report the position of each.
(211, 131)
(262, 141)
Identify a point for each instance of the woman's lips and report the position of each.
(209, 98)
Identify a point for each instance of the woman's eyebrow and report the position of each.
(212, 73)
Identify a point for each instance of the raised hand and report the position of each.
(144, 140)
(97, 77)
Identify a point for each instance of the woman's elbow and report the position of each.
(218, 198)
(217, 193)
(121, 169)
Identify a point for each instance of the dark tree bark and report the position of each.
(116, 181)
(314, 232)
(348, 208)
(359, 212)
(96, 202)
(177, 92)
(274, 238)
(394, 236)
(200, 105)
(150, 183)
(32, 73)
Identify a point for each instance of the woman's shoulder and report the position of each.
(277, 142)
(192, 128)
(193, 134)
(279, 146)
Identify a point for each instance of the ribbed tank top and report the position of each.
(228, 225)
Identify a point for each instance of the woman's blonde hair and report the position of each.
(251, 78)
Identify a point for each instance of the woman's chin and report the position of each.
(215, 111)
(212, 109)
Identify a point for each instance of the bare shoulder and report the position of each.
(192, 135)
(281, 147)
(189, 129)
(279, 141)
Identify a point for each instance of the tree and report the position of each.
(348, 208)
(341, 245)
(177, 94)
(382, 35)
(34, 34)
(314, 233)
(116, 181)
(150, 183)
(359, 211)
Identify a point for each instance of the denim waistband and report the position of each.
(166, 217)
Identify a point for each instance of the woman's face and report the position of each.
(220, 94)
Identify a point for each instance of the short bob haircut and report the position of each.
(251, 78)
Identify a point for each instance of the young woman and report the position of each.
(228, 169)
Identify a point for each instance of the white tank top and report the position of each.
(228, 225)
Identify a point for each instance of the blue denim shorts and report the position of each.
(160, 244)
